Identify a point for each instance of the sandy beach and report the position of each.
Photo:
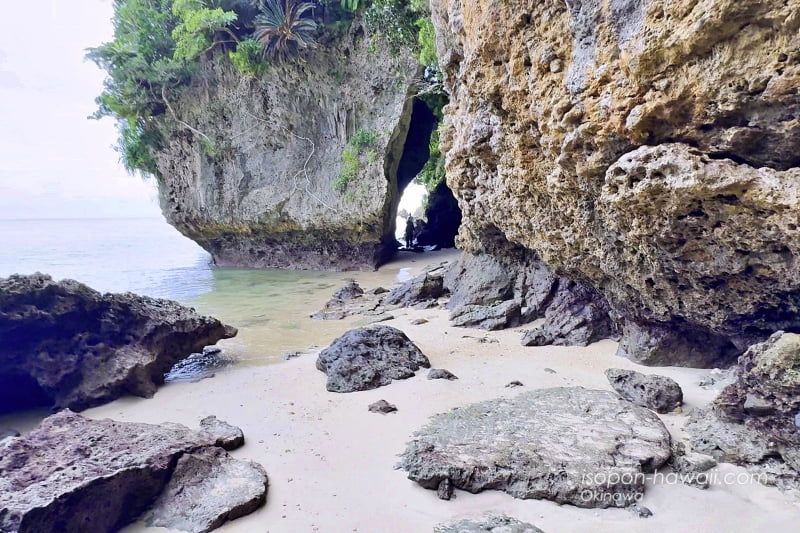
(331, 462)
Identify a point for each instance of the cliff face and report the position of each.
(254, 184)
(649, 148)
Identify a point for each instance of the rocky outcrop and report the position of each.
(646, 148)
(441, 373)
(258, 187)
(568, 445)
(488, 524)
(95, 476)
(382, 406)
(755, 419)
(368, 358)
(67, 345)
(443, 218)
(576, 316)
(659, 393)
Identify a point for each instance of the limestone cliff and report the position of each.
(250, 164)
(649, 148)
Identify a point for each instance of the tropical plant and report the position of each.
(248, 59)
(199, 23)
(283, 29)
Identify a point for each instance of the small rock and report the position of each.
(640, 510)
(418, 322)
(659, 393)
(487, 340)
(349, 291)
(550, 371)
(225, 435)
(212, 350)
(287, 356)
(422, 289)
(378, 290)
(513, 384)
(441, 373)
(382, 406)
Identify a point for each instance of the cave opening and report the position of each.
(20, 392)
(434, 208)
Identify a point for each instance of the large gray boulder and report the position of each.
(66, 345)
(588, 448)
(368, 358)
(659, 393)
(421, 289)
(74, 474)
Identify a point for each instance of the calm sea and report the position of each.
(148, 256)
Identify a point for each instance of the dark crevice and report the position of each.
(19, 392)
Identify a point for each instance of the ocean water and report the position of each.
(271, 308)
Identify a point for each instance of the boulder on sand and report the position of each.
(94, 476)
(588, 448)
(659, 393)
(66, 345)
(368, 358)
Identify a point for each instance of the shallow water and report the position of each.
(271, 308)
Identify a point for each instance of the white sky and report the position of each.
(54, 163)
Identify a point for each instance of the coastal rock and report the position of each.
(207, 489)
(93, 476)
(421, 289)
(659, 393)
(382, 406)
(755, 418)
(268, 193)
(630, 146)
(441, 373)
(576, 316)
(66, 345)
(349, 291)
(368, 358)
(490, 317)
(199, 366)
(542, 445)
(487, 524)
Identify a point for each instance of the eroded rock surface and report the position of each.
(419, 290)
(207, 489)
(644, 147)
(368, 358)
(94, 476)
(266, 195)
(559, 444)
(754, 420)
(488, 524)
(659, 393)
(68, 345)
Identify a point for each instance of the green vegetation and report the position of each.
(198, 27)
(159, 48)
(432, 174)
(357, 148)
(283, 29)
(248, 58)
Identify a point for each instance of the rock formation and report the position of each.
(755, 419)
(646, 148)
(67, 345)
(95, 476)
(659, 393)
(568, 445)
(263, 195)
(368, 358)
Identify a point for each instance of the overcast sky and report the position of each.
(54, 163)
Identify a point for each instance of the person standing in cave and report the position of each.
(409, 232)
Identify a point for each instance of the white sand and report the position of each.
(331, 461)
